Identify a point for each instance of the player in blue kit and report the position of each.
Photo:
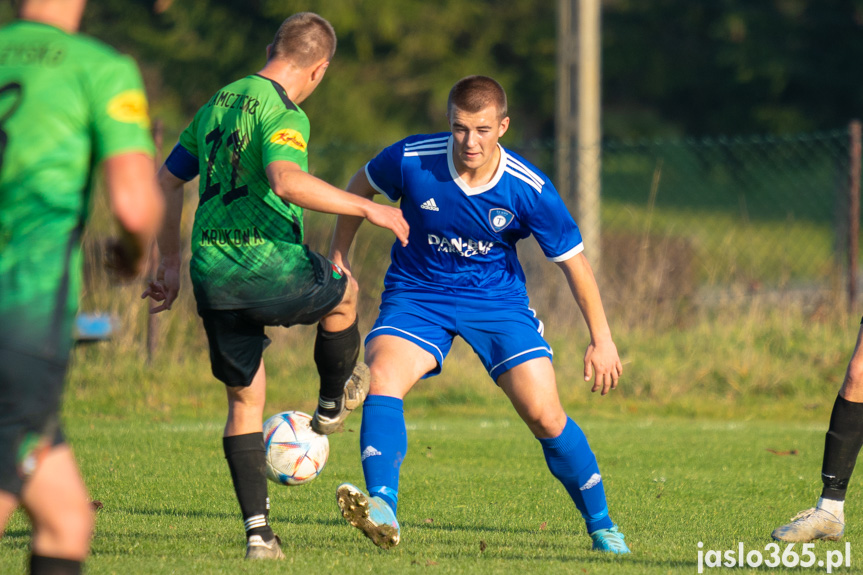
(468, 201)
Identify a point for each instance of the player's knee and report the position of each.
(79, 526)
(351, 291)
(381, 374)
(853, 384)
(67, 530)
(388, 379)
(348, 304)
(245, 402)
(545, 423)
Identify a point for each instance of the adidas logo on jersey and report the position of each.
(430, 205)
(370, 452)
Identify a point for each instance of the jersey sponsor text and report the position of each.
(243, 102)
(290, 138)
(460, 246)
(130, 107)
(234, 237)
(31, 54)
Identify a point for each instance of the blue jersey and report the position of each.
(464, 238)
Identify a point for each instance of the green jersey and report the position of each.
(247, 243)
(66, 103)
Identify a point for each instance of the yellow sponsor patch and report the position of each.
(130, 107)
(289, 137)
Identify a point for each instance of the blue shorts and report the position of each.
(503, 331)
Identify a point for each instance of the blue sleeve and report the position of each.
(182, 163)
(385, 172)
(553, 227)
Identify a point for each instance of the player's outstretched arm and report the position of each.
(347, 226)
(601, 358)
(290, 183)
(138, 208)
(166, 287)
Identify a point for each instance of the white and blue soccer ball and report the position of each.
(295, 453)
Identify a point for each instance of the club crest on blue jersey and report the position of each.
(499, 218)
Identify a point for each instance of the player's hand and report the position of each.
(122, 262)
(165, 288)
(602, 361)
(390, 218)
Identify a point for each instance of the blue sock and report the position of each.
(383, 444)
(572, 462)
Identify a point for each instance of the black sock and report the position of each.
(40, 565)
(246, 460)
(841, 447)
(336, 354)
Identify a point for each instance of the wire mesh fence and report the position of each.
(696, 222)
(769, 211)
(684, 224)
(696, 218)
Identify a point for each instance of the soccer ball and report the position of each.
(295, 453)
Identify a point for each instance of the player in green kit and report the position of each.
(67, 103)
(249, 266)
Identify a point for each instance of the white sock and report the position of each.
(832, 506)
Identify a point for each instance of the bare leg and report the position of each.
(59, 507)
(396, 365)
(8, 504)
(852, 386)
(841, 447)
(532, 388)
(344, 383)
(246, 406)
(243, 443)
(345, 314)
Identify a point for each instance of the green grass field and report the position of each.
(476, 497)
(694, 446)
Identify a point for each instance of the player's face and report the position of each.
(475, 136)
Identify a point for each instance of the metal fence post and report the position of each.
(566, 119)
(578, 153)
(589, 149)
(854, 147)
(153, 319)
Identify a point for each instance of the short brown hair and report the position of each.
(475, 93)
(304, 38)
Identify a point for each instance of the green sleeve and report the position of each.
(120, 116)
(189, 137)
(285, 136)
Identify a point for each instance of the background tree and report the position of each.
(670, 67)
